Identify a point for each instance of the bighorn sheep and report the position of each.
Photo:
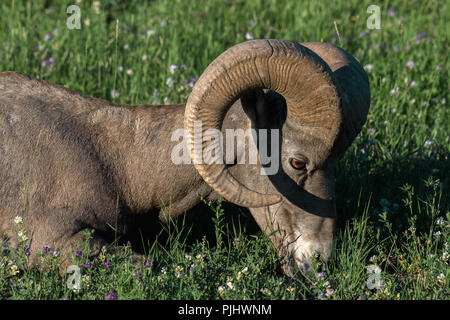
(72, 162)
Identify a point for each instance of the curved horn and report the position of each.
(294, 71)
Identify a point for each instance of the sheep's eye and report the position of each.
(297, 164)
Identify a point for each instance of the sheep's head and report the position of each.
(316, 97)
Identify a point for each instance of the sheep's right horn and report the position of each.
(292, 70)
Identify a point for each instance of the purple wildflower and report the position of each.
(410, 64)
(362, 34)
(47, 36)
(46, 249)
(51, 60)
(27, 251)
(391, 12)
(148, 264)
(137, 274)
(320, 275)
(107, 264)
(45, 63)
(112, 296)
(428, 143)
(88, 265)
(322, 296)
(395, 48)
(78, 253)
(419, 36)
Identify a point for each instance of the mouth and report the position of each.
(300, 258)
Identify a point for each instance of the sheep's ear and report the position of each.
(263, 107)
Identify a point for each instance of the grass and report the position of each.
(392, 185)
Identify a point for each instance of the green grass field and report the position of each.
(393, 185)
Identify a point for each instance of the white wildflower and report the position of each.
(18, 220)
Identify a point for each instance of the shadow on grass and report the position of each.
(358, 182)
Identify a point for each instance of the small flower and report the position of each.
(27, 251)
(266, 291)
(252, 24)
(88, 265)
(413, 83)
(230, 285)
(78, 253)
(169, 82)
(178, 270)
(221, 289)
(437, 234)
(419, 36)
(396, 90)
(320, 275)
(47, 36)
(18, 220)
(249, 36)
(163, 24)
(440, 222)
(321, 296)
(363, 151)
(428, 143)
(137, 274)
(144, 57)
(329, 292)
(126, 46)
(13, 270)
(114, 93)
(150, 32)
(130, 72)
(112, 296)
(391, 12)
(395, 48)
(368, 67)
(46, 249)
(360, 298)
(362, 34)
(56, 253)
(120, 68)
(441, 278)
(96, 7)
(55, 32)
(107, 264)
(438, 67)
(410, 64)
(148, 263)
(371, 131)
(173, 68)
(373, 258)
